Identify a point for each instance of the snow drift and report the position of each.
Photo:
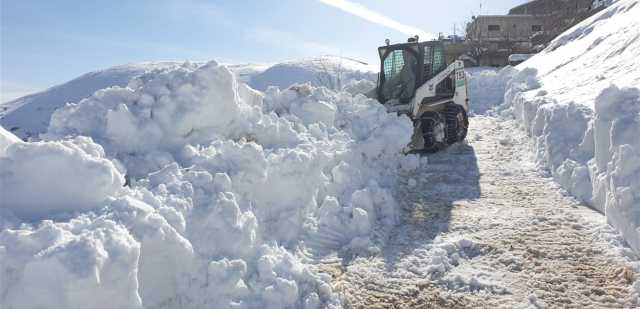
(579, 99)
(228, 191)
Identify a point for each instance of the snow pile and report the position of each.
(29, 116)
(580, 100)
(487, 87)
(158, 111)
(229, 190)
(362, 86)
(327, 71)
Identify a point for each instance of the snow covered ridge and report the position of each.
(230, 193)
(580, 100)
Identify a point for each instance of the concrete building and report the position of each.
(496, 28)
(491, 39)
(557, 15)
(527, 27)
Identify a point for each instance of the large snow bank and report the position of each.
(229, 191)
(580, 100)
(327, 71)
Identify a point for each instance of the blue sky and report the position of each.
(44, 42)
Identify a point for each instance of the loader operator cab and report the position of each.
(415, 80)
(407, 66)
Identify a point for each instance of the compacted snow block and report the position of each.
(579, 99)
(616, 170)
(44, 178)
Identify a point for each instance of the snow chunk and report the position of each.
(79, 265)
(7, 139)
(43, 178)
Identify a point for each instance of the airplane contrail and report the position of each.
(377, 18)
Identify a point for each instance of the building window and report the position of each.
(494, 27)
(536, 28)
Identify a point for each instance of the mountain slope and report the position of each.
(329, 71)
(598, 52)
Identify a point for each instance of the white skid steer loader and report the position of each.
(415, 80)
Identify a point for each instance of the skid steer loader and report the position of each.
(415, 80)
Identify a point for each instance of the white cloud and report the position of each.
(377, 18)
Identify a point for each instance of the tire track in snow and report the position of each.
(483, 229)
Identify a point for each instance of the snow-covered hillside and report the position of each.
(189, 189)
(245, 72)
(580, 100)
(328, 71)
(29, 116)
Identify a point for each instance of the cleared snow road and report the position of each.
(482, 229)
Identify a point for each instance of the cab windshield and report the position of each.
(398, 76)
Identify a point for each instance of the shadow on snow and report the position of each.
(451, 175)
